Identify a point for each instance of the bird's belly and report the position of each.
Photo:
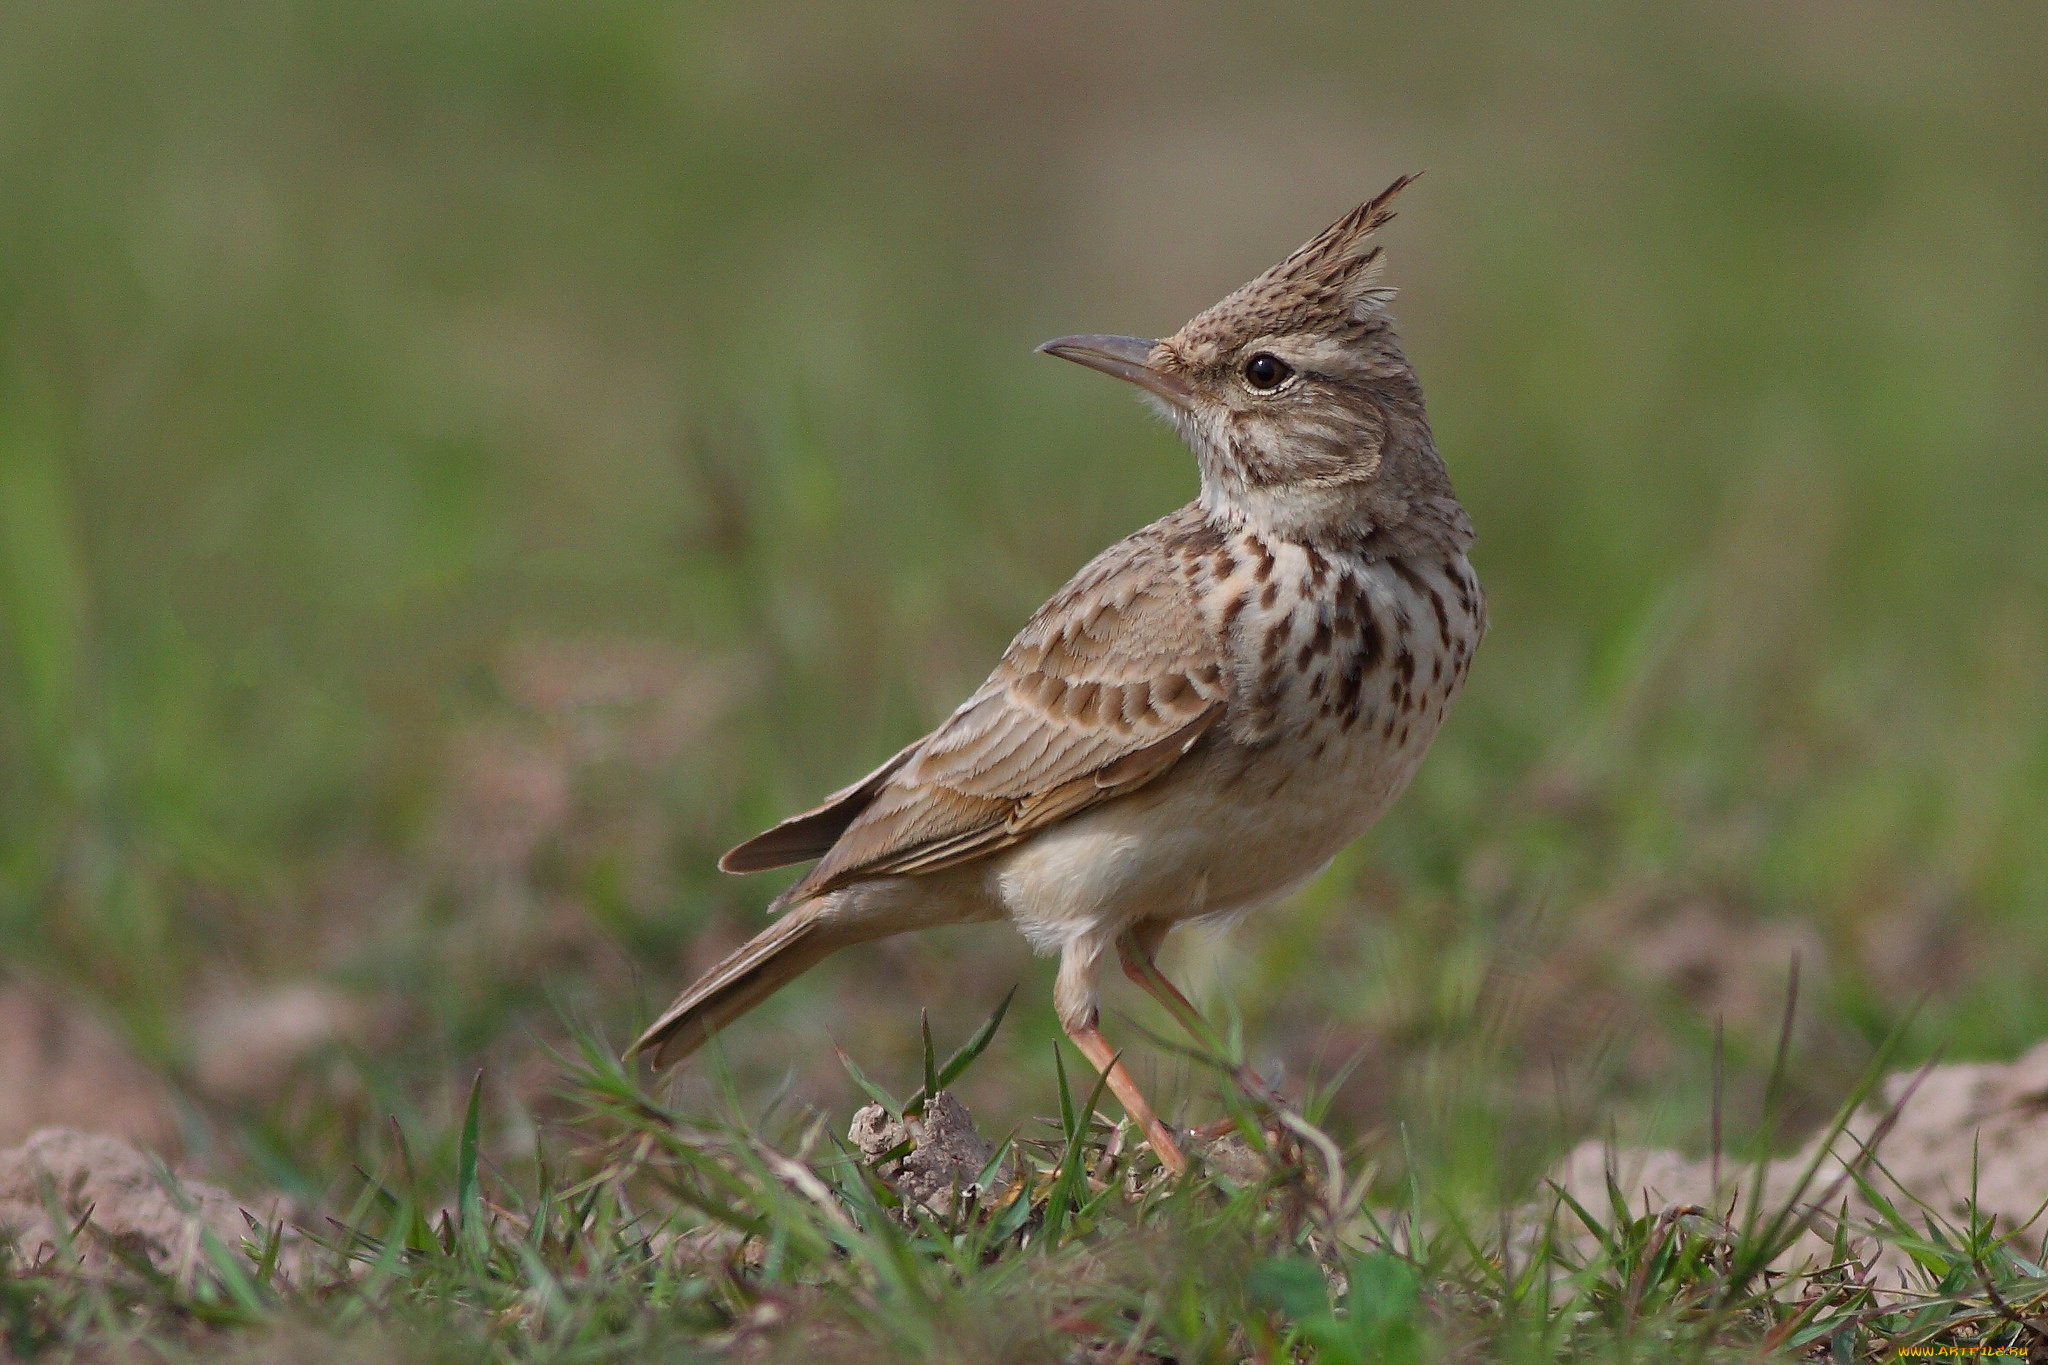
(1225, 832)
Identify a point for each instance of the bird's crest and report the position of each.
(1331, 277)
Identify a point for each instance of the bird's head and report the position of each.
(1295, 397)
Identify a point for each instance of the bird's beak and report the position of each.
(1126, 358)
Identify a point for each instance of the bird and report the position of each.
(1206, 714)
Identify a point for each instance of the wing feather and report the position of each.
(810, 835)
(1103, 690)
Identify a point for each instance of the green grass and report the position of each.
(637, 1230)
(381, 384)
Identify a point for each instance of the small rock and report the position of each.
(948, 1155)
(1233, 1158)
(133, 1201)
(873, 1132)
(1966, 1121)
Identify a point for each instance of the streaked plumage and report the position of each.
(1209, 711)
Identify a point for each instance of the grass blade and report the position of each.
(969, 1052)
(931, 1062)
(469, 1200)
(1073, 1171)
(873, 1091)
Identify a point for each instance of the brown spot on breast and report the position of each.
(1263, 570)
(1468, 589)
(1325, 633)
(1232, 609)
(1270, 595)
(1201, 539)
(1223, 565)
(1370, 645)
(1272, 695)
(1353, 606)
(1404, 664)
(1276, 636)
(1318, 567)
(1406, 572)
(1351, 684)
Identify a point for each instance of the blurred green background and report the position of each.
(462, 465)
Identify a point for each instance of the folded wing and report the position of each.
(1102, 691)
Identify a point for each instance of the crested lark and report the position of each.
(1210, 710)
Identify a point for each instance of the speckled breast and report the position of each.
(1344, 667)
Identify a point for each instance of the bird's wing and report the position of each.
(801, 838)
(1102, 691)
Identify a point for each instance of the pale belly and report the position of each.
(1224, 833)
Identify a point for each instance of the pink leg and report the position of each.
(1097, 1050)
(1135, 953)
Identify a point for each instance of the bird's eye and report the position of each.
(1266, 372)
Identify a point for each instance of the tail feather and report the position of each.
(796, 942)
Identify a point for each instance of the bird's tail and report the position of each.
(799, 939)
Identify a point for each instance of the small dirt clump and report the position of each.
(1963, 1130)
(947, 1157)
(114, 1197)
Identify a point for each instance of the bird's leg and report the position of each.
(1103, 1057)
(1135, 952)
